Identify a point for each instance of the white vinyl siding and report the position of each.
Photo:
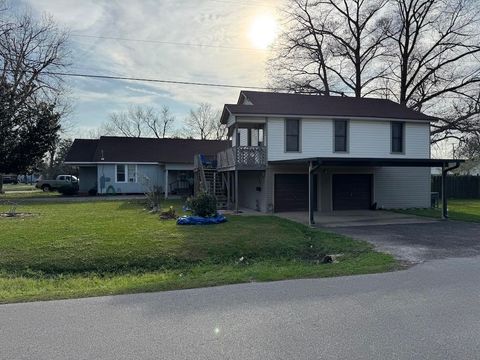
(366, 139)
(402, 187)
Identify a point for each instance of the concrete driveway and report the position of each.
(354, 218)
(418, 242)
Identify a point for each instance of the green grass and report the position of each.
(111, 247)
(458, 209)
(24, 191)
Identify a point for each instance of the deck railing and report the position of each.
(243, 157)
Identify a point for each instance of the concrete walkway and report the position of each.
(355, 218)
(429, 311)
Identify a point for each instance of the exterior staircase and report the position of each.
(209, 180)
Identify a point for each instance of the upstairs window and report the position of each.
(397, 137)
(340, 128)
(292, 135)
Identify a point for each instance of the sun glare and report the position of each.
(263, 31)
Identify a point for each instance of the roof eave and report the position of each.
(428, 120)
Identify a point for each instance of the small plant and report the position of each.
(204, 205)
(12, 210)
(153, 194)
(168, 214)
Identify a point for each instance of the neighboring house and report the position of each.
(335, 153)
(123, 165)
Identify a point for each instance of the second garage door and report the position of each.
(291, 192)
(352, 192)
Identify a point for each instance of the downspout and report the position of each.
(311, 200)
(444, 188)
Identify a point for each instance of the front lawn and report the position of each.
(458, 209)
(65, 250)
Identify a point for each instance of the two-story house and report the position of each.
(294, 152)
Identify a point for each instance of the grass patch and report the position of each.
(458, 209)
(113, 247)
(24, 191)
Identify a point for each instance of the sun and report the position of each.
(263, 31)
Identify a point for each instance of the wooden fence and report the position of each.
(461, 187)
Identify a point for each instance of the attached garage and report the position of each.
(352, 191)
(291, 192)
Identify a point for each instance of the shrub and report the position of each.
(204, 205)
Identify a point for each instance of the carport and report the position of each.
(315, 164)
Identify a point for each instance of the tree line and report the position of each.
(201, 123)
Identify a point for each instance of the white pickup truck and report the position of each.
(61, 180)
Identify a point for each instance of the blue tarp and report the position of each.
(198, 220)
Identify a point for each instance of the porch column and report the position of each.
(444, 193)
(166, 183)
(311, 200)
(228, 190)
(236, 191)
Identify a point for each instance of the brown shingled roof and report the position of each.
(270, 103)
(125, 149)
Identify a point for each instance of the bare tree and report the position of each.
(333, 42)
(437, 66)
(31, 95)
(422, 53)
(140, 121)
(204, 123)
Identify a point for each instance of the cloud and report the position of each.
(180, 21)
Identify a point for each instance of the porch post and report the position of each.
(444, 193)
(228, 190)
(166, 183)
(311, 200)
(236, 191)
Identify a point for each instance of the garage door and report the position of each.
(352, 192)
(291, 192)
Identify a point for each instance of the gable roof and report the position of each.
(141, 150)
(283, 104)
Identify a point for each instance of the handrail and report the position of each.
(242, 156)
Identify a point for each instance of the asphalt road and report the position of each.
(430, 311)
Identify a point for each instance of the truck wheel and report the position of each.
(46, 188)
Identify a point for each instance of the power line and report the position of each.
(166, 42)
(163, 81)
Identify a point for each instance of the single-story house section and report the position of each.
(124, 165)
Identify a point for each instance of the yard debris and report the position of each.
(331, 259)
(169, 214)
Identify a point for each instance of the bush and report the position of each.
(68, 189)
(204, 205)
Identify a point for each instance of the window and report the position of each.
(292, 137)
(121, 173)
(126, 173)
(132, 173)
(397, 137)
(340, 135)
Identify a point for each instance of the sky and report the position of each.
(236, 32)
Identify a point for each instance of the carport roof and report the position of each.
(338, 161)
